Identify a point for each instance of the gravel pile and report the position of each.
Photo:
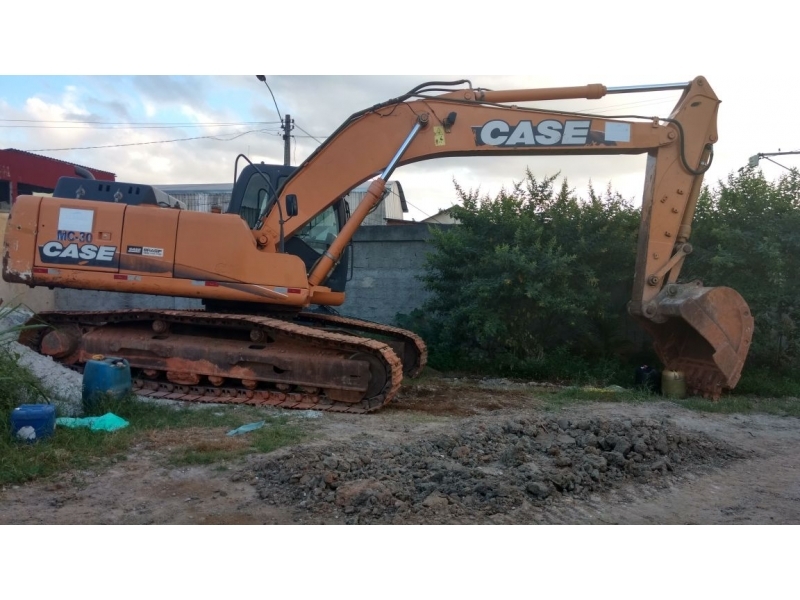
(484, 469)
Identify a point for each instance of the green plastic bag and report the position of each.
(108, 422)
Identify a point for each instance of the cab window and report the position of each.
(320, 232)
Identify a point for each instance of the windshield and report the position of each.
(320, 232)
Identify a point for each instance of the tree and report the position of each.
(532, 271)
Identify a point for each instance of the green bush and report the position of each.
(535, 281)
(530, 282)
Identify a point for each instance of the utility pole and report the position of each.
(288, 125)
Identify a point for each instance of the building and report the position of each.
(442, 217)
(24, 173)
(392, 207)
(202, 196)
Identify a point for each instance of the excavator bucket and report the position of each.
(705, 332)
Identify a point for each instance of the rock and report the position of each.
(330, 462)
(514, 456)
(529, 469)
(609, 442)
(490, 470)
(623, 446)
(330, 478)
(614, 458)
(595, 462)
(563, 461)
(554, 450)
(565, 440)
(563, 424)
(661, 444)
(640, 447)
(538, 489)
(435, 500)
(661, 464)
(355, 493)
(460, 452)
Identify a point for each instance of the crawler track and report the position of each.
(127, 333)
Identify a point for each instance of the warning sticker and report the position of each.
(155, 252)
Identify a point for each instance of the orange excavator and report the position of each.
(266, 268)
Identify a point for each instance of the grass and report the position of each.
(276, 433)
(81, 448)
(727, 404)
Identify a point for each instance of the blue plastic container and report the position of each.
(105, 376)
(42, 417)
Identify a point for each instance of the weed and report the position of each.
(81, 448)
(276, 433)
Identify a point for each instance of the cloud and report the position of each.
(169, 90)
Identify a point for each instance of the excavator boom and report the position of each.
(267, 267)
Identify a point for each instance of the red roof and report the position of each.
(39, 156)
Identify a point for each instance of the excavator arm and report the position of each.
(704, 332)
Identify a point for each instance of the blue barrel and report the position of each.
(105, 376)
(39, 417)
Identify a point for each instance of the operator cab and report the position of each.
(254, 194)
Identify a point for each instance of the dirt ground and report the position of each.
(754, 477)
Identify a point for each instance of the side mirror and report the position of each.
(291, 205)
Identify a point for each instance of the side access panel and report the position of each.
(220, 247)
(79, 234)
(148, 241)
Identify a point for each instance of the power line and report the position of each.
(123, 128)
(630, 104)
(419, 209)
(153, 123)
(307, 134)
(201, 137)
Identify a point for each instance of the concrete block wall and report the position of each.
(386, 263)
(69, 299)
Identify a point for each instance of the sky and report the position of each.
(58, 99)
